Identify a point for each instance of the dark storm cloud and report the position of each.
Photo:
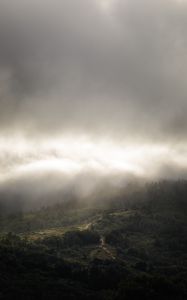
(68, 65)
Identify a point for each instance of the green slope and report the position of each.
(134, 247)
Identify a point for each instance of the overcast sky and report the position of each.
(105, 69)
(110, 67)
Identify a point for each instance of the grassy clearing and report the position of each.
(59, 231)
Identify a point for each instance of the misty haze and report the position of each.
(93, 149)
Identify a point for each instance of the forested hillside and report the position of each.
(131, 247)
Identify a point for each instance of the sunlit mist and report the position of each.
(72, 155)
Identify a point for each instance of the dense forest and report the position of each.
(133, 246)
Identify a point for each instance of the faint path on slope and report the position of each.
(102, 244)
(105, 248)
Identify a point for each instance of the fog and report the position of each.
(92, 93)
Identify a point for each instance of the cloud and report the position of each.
(68, 66)
(108, 70)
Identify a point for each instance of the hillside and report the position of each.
(131, 247)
